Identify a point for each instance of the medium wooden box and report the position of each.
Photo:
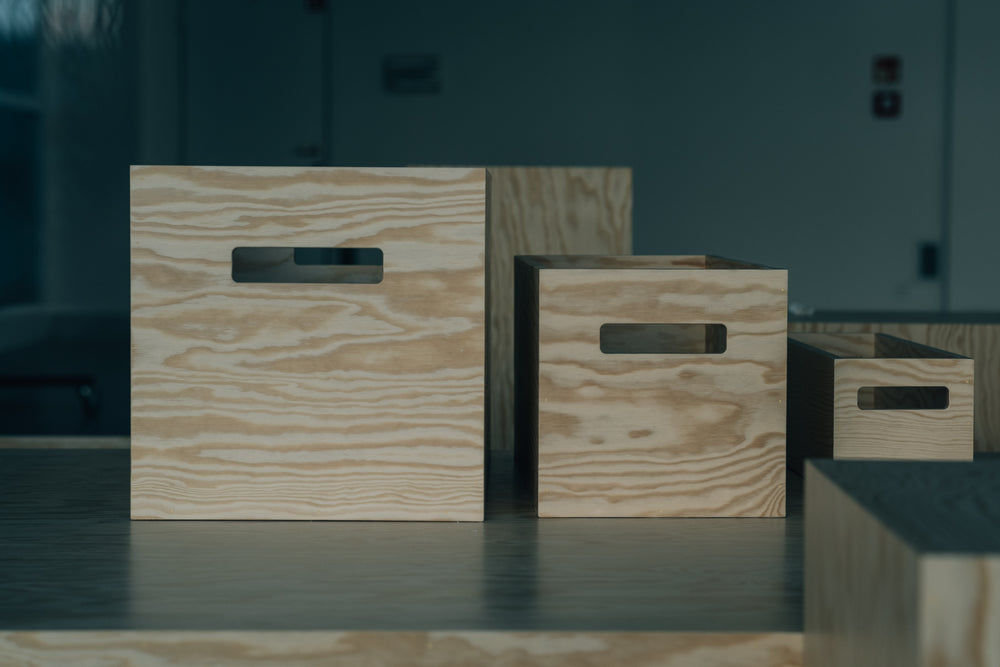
(327, 394)
(875, 396)
(651, 385)
(902, 563)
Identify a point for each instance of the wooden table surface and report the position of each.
(80, 582)
(72, 559)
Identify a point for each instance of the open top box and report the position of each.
(651, 385)
(873, 396)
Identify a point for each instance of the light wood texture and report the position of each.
(565, 649)
(975, 339)
(860, 596)
(902, 563)
(654, 434)
(824, 418)
(308, 401)
(544, 210)
(76, 573)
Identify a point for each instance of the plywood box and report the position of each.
(543, 211)
(651, 386)
(875, 396)
(902, 563)
(308, 343)
(975, 335)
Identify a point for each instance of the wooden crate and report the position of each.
(543, 211)
(316, 399)
(975, 335)
(875, 396)
(902, 563)
(630, 403)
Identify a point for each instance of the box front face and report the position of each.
(903, 409)
(675, 432)
(307, 400)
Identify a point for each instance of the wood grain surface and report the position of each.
(960, 601)
(81, 584)
(357, 649)
(544, 210)
(977, 340)
(826, 372)
(861, 597)
(903, 563)
(658, 434)
(308, 400)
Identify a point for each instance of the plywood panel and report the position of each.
(860, 589)
(544, 210)
(978, 340)
(902, 563)
(308, 400)
(658, 434)
(826, 418)
(160, 649)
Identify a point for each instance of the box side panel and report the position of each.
(810, 404)
(544, 210)
(662, 434)
(526, 375)
(960, 610)
(861, 345)
(904, 434)
(300, 400)
(861, 602)
(893, 347)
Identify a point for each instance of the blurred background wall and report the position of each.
(854, 143)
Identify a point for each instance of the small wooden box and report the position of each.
(875, 396)
(279, 372)
(651, 385)
(902, 563)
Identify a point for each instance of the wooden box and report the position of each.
(902, 563)
(308, 343)
(651, 385)
(975, 335)
(543, 211)
(875, 396)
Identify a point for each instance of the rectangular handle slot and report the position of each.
(663, 338)
(903, 398)
(307, 265)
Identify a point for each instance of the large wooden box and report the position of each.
(902, 563)
(543, 211)
(651, 386)
(268, 383)
(875, 396)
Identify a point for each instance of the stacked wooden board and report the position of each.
(902, 564)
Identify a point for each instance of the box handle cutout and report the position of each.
(663, 338)
(903, 398)
(307, 265)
